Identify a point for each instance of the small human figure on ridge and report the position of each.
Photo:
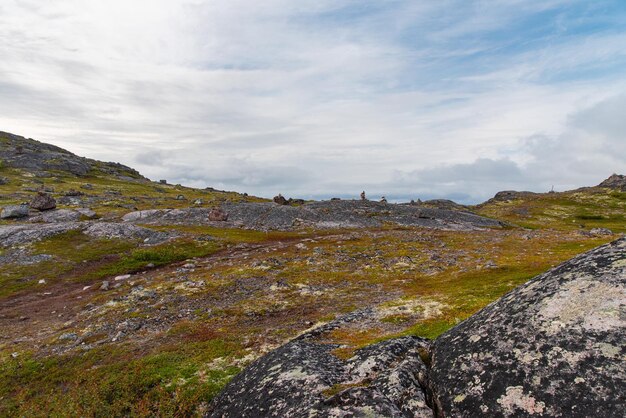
(363, 195)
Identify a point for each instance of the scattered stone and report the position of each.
(104, 285)
(600, 231)
(163, 181)
(87, 213)
(73, 192)
(218, 215)
(280, 199)
(3, 181)
(68, 336)
(189, 266)
(42, 281)
(198, 202)
(14, 211)
(181, 197)
(122, 277)
(87, 186)
(15, 354)
(42, 202)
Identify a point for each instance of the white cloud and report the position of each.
(320, 98)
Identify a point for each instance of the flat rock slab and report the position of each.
(23, 234)
(304, 379)
(553, 347)
(327, 214)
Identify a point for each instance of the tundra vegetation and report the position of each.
(106, 326)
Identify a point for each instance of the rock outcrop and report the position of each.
(615, 181)
(552, 347)
(326, 214)
(304, 379)
(14, 211)
(39, 158)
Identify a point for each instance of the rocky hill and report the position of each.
(122, 296)
(42, 159)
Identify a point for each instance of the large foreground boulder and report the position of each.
(555, 346)
(552, 347)
(304, 379)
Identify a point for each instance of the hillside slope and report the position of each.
(138, 298)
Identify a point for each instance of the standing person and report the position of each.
(363, 195)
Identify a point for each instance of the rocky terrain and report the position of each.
(122, 296)
(552, 347)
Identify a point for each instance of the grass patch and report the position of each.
(115, 382)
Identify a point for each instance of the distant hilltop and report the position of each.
(41, 158)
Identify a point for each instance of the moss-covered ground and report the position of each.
(198, 308)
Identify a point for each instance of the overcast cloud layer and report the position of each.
(320, 98)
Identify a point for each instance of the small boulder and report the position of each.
(87, 186)
(73, 192)
(104, 285)
(280, 199)
(3, 181)
(181, 197)
(43, 201)
(14, 211)
(600, 231)
(87, 213)
(218, 215)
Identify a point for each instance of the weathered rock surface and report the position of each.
(615, 181)
(327, 214)
(58, 215)
(552, 347)
(304, 379)
(15, 235)
(218, 215)
(38, 157)
(42, 202)
(14, 211)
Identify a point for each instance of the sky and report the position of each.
(408, 99)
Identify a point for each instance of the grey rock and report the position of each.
(58, 215)
(114, 230)
(552, 347)
(615, 181)
(304, 379)
(3, 181)
(87, 186)
(600, 231)
(327, 214)
(11, 235)
(14, 211)
(86, 213)
(38, 158)
(104, 285)
(68, 336)
(42, 202)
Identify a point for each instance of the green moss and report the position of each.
(115, 381)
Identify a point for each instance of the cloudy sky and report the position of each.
(322, 98)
